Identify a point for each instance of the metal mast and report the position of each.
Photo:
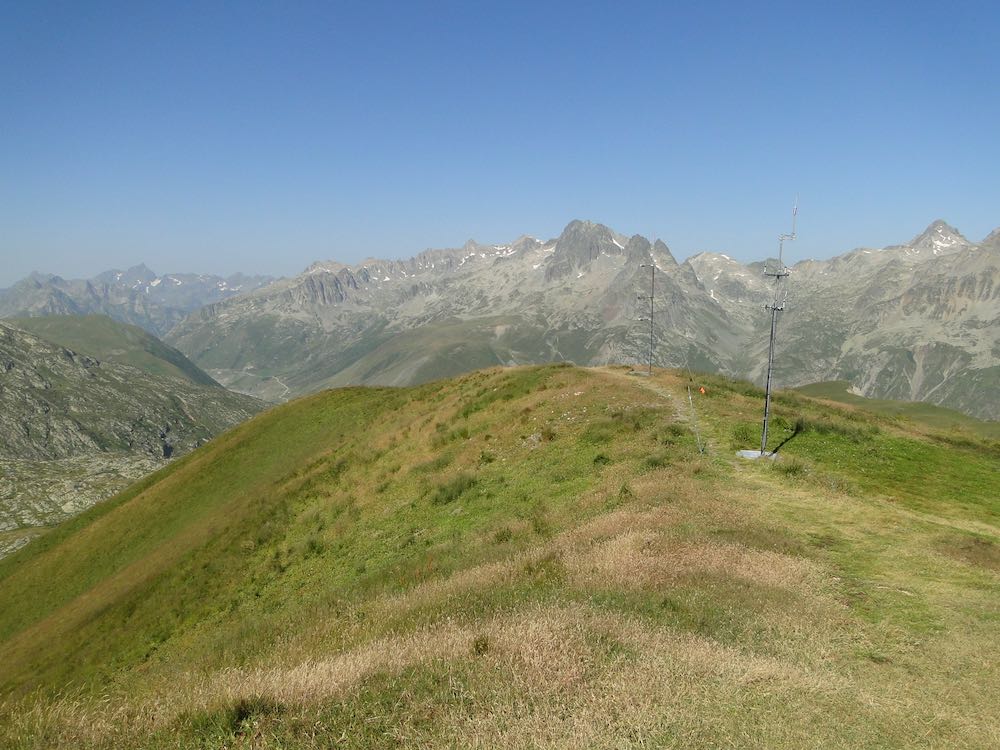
(652, 295)
(775, 307)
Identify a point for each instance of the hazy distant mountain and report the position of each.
(919, 320)
(137, 296)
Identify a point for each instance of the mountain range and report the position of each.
(137, 295)
(916, 321)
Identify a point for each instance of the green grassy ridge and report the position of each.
(919, 412)
(105, 339)
(352, 517)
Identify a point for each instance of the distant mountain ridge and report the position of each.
(916, 321)
(137, 295)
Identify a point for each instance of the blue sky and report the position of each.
(257, 137)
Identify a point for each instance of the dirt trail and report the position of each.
(684, 410)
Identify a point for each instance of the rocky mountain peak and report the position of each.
(140, 273)
(328, 266)
(939, 237)
(525, 242)
(992, 241)
(582, 242)
(638, 249)
(662, 254)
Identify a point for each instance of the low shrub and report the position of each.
(453, 489)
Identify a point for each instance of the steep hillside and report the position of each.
(137, 296)
(537, 557)
(74, 429)
(108, 340)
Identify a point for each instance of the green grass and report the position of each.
(108, 340)
(918, 412)
(522, 558)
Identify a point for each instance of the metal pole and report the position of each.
(652, 298)
(767, 389)
(652, 294)
(781, 272)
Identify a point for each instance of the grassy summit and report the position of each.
(537, 557)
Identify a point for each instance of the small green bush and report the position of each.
(453, 489)
(743, 435)
(790, 468)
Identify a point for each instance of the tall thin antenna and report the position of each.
(776, 306)
(651, 298)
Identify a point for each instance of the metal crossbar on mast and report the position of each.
(779, 274)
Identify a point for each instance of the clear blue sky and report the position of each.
(260, 136)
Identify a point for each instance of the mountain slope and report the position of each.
(914, 322)
(522, 558)
(108, 340)
(74, 429)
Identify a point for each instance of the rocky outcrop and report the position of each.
(56, 403)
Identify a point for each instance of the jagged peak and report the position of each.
(141, 271)
(992, 239)
(939, 235)
(39, 277)
(638, 249)
(597, 238)
(661, 252)
(326, 266)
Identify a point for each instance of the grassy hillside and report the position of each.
(103, 338)
(918, 412)
(537, 557)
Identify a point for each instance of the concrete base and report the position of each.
(754, 455)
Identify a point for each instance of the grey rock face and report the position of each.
(56, 403)
(74, 429)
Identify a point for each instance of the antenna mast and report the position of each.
(776, 306)
(652, 294)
